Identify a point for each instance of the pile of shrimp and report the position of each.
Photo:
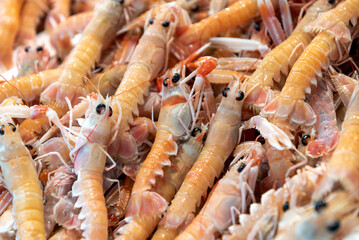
(186, 119)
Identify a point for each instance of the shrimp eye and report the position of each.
(305, 140)
(121, 1)
(12, 126)
(176, 77)
(165, 82)
(240, 96)
(256, 26)
(331, 1)
(2, 130)
(285, 206)
(224, 91)
(27, 49)
(101, 108)
(334, 226)
(39, 49)
(151, 21)
(99, 68)
(241, 167)
(195, 8)
(110, 111)
(195, 131)
(166, 23)
(318, 206)
(28, 146)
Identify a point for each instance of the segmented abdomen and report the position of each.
(9, 24)
(278, 60)
(21, 179)
(131, 92)
(88, 188)
(308, 65)
(29, 87)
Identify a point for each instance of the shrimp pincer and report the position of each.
(221, 140)
(230, 193)
(21, 179)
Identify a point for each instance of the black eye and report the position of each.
(151, 21)
(166, 23)
(331, 1)
(165, 82)
(39, 49)
(224, 91)
(240, 96)
(318, 206)
(285, 206)
(27, 49)
(12, 126)
(121, 1)
(334, 226)
(28, 146)
(101, 108)
(110, 112)
(305, 140)
(256, 26)
(2, 130)
(195, 8)
(176, 77)
(99, 68)
(241, 167)
(195, 131)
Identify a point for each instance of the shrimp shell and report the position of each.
(21, 179)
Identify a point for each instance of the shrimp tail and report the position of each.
(338, 29)
(147, 203)
(259, 97)
(297, 111)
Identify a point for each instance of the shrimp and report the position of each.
(34, 60)
(192, 37)
(83, 57)
(229, 193)
(140, 227)
(336, 19)
(225, 127)
(149, 57)
(344, 164)
(89, 164)
(326, 127)
(60, 37)
(263, 217)
(173, 121)
(290, 103)
(59, 12)
(9, 24)
(324, 221)
(278, 60)
(31, 13)
(21, 179)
